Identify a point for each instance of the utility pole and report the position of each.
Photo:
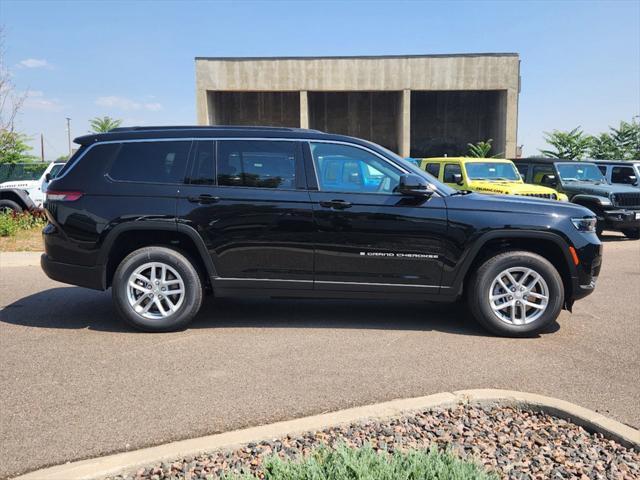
(42, 147)
(69, 134)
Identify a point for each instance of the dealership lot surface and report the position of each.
(76, 382)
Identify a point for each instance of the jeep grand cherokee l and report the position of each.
(162, 215)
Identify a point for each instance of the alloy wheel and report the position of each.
(155, 290)
(519, 295)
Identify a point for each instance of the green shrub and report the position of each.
(11, 222)
(346, 463)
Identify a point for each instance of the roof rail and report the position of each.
(207, 127)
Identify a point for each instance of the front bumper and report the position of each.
(587, 271)
(621, 219)
(89, 277)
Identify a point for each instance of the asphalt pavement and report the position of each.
(76, 382)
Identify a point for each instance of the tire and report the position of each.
(10, 205)
(633, 233)
(484, 282)
(148, 263)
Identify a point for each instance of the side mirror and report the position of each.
(414, 185)
(47, 177)
(549, 180)
(632, 179)
(457, 178)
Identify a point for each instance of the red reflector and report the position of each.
(63, 196)
(574, 255)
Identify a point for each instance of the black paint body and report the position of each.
(297, 242)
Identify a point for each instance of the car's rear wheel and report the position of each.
(633, 233)
(157, 289)
(516, 294)
(9, 206)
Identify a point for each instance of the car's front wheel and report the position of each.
(516, 294)
(157, 289)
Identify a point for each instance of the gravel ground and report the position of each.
(515, 443)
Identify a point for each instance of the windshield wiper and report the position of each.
(461, 192)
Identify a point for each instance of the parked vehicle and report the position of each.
(485, 175)
(164, 214)
(617, 207)
(620, 172)
(22, 185)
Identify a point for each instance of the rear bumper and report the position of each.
(621, 219)
(89, 277)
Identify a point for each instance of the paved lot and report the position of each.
(75, 382)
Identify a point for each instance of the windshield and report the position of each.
(441, 187)
(491, 171)
(580, 172)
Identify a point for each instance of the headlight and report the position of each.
(585, 224)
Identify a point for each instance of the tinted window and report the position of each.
(342, 168)
(622, 175)
(202, 171)
(539, 171)
(603, 169)
(433, 169)
(55, 170)
(523, 168)
(451, 169)
(157, 162)
(256, 163)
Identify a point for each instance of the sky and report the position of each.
(580, 60)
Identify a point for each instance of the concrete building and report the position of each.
(416, 105)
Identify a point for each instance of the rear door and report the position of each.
(370, 238)
(248, 201)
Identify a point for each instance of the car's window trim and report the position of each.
(220, 138)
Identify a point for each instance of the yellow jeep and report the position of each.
(485, 175)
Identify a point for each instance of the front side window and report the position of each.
(579, 172)
(258, 163)
(155, 162)
(491, 171)
(433, 169)
(523, 168)
(343, 168)
(622, 175)
(450, 171)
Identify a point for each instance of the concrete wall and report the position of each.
(400, 77)
(281, 109)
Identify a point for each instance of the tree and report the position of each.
(481, 149)
(622, 143)
(62, 158)
(571, 145)
(13, 148)
(104, 124)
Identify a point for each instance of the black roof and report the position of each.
(549, 160)
(191, 131)
(614, 162)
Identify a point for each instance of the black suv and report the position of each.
(164, 214)
(617, 207)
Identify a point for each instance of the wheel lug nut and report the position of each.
(510, 297)
(513, 289)
(163, 289)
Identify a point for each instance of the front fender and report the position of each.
(18, 196)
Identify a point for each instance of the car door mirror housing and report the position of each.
(414, 185)
(47, 177)
(457, 179)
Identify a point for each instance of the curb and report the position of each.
(20, 259)
(101, 467)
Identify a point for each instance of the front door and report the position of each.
(248, 201)
(368, 236)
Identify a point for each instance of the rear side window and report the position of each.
(523, 168)
(603, 169)
(258, 164)
(622, 175)
(433, 169)
(539, 171)
(451, 169)
(154, 162)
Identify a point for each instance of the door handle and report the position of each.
(337, 204)
(204, 199)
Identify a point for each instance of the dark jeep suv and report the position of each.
(617, 207)
(163, 214)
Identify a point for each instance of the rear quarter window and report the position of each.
(152, 162)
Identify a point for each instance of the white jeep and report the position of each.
(23, 185)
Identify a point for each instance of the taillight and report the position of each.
(59, 196)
